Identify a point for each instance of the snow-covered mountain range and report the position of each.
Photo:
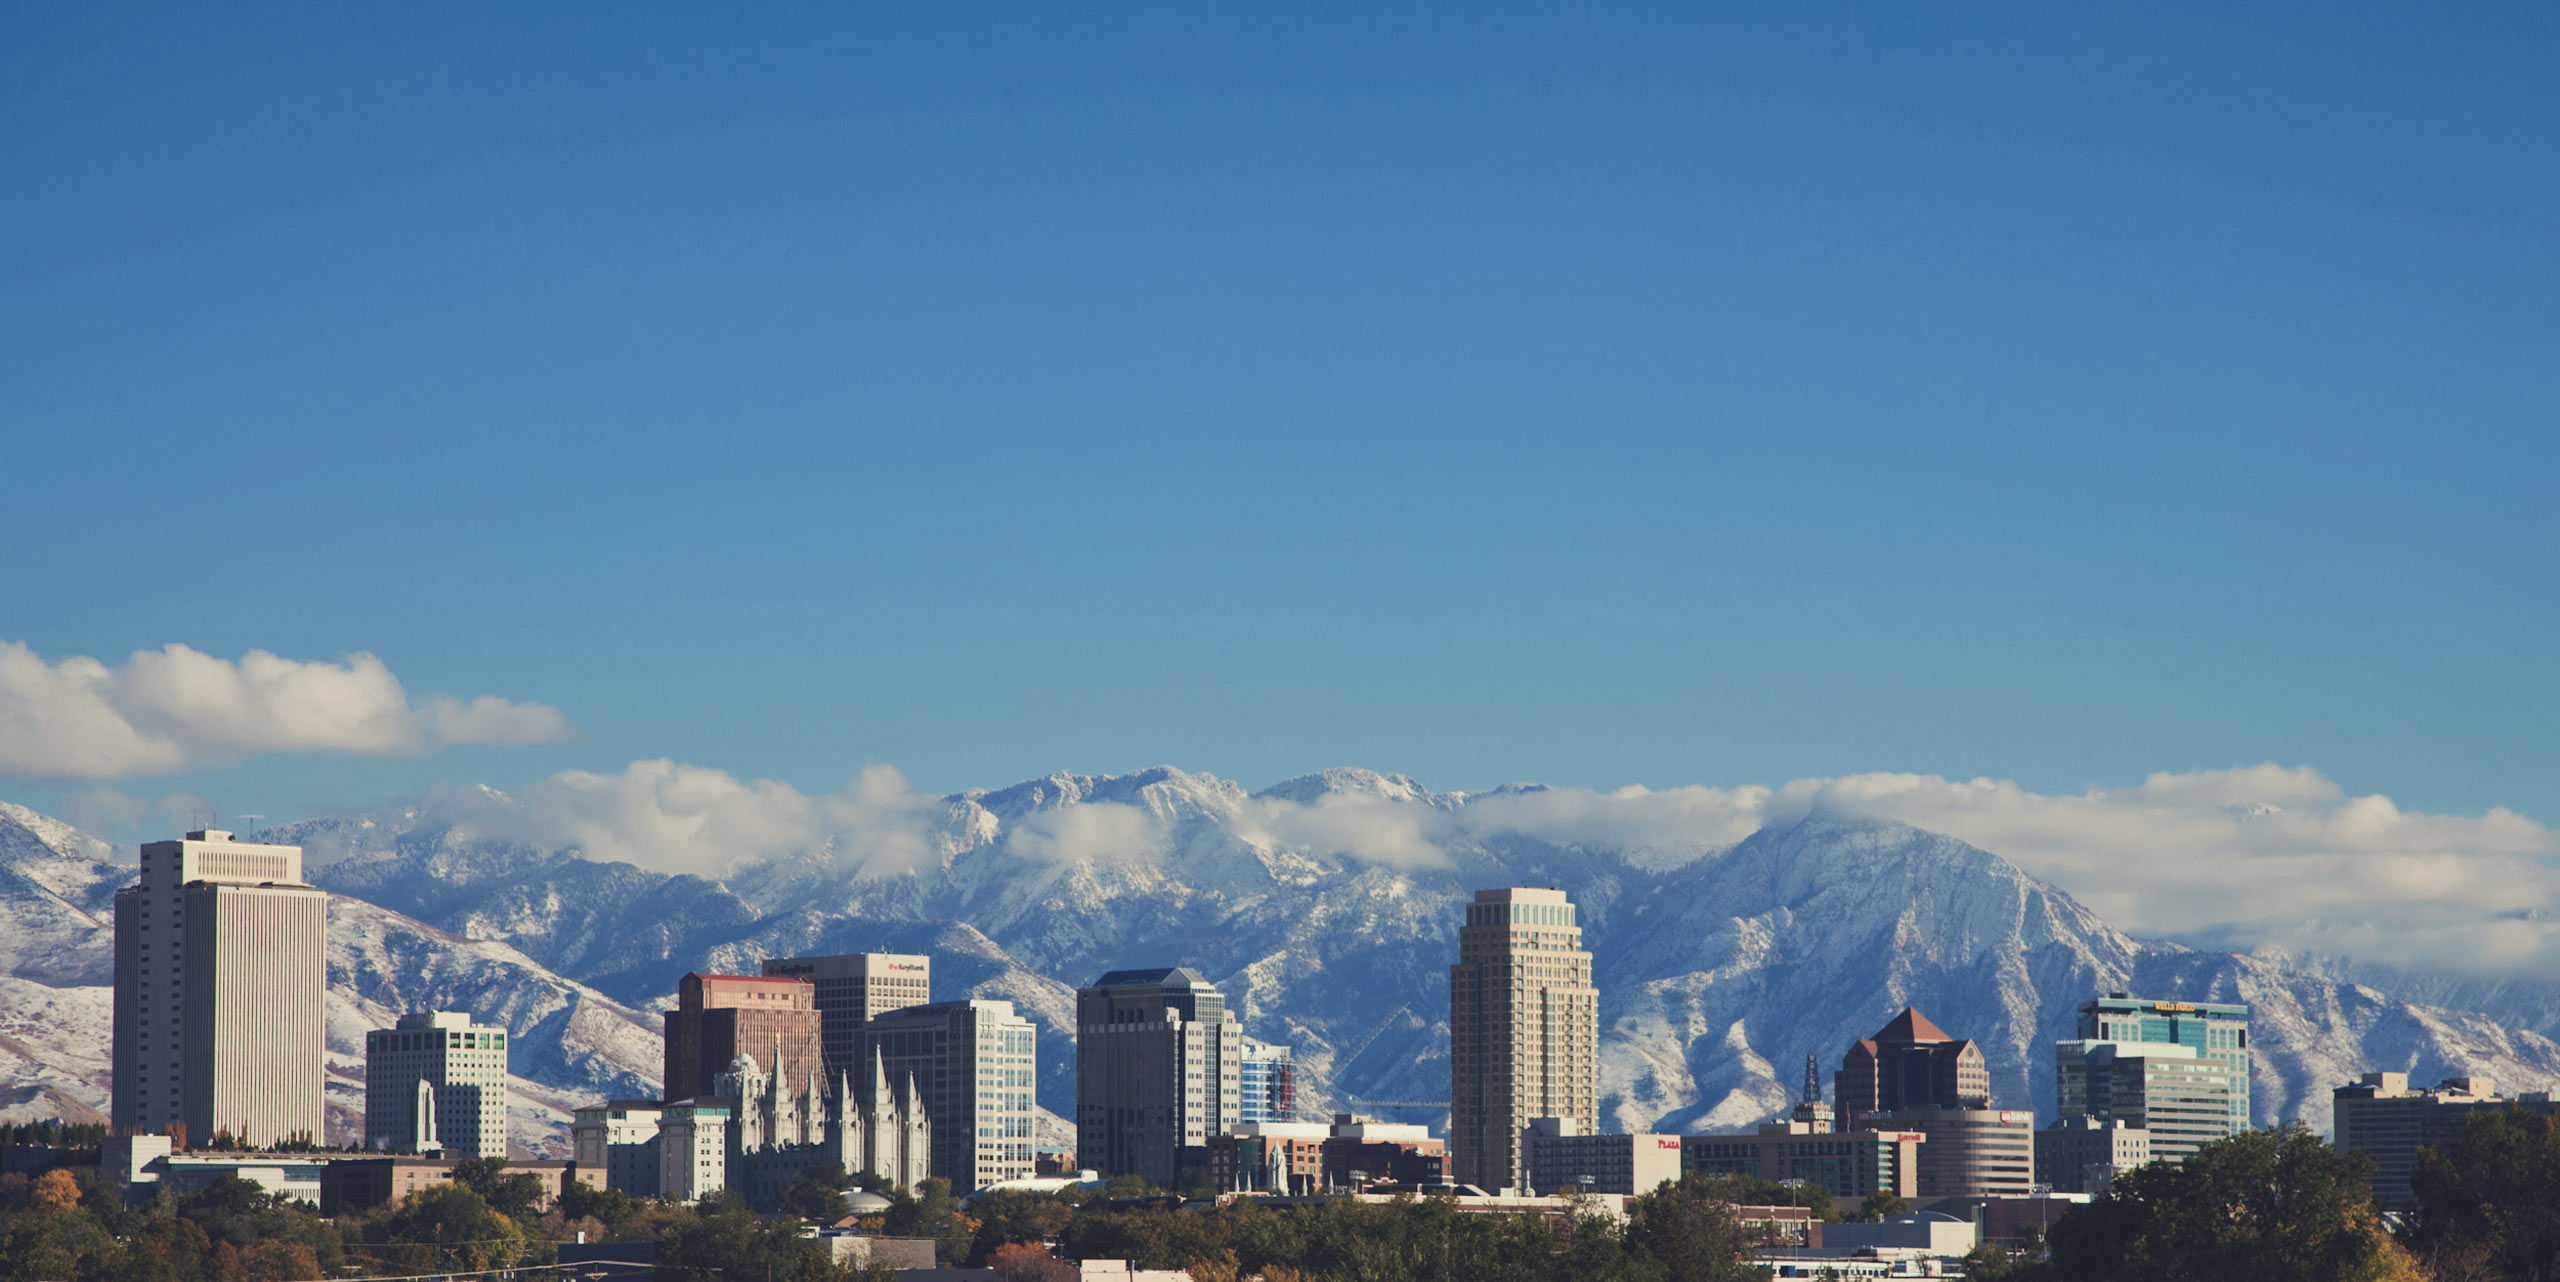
(1720, 965)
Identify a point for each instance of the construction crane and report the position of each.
(1343, 1064)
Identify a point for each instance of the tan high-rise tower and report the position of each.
(221, 958)
(1524, 1031)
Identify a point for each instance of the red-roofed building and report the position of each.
(720, 1017)
(1909, 1063)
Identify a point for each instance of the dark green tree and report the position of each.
(2489, 1202)
(2262, 1206)
(1006, 1217)
(1690, 1232)
(517, 1197)
(817, 1193)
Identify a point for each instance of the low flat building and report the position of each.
(354, 1183)
(1306, 1158)
(2084, 1154)
(1559, 1158)
(2384, 1119)
(139, 1163)
(1848, 1164)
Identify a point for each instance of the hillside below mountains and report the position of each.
(1720, 965)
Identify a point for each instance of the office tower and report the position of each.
(221, 955)
(2383, 1118)
(851, 988)
(1909, 1063)
(693, 1147)
(1524, 1030)
(616, 1145)
(2085, 1154)
(2219, 1034)
(973, 1065)
(1270, 1079)
(720, 1017)
(1969, 1152)
(460, 1065)
(2180, 1099)
(1158, 1070)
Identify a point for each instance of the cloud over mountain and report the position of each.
(179, 708)
(2261, 855)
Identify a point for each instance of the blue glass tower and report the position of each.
(2218, 1033)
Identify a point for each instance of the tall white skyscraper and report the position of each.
(221, 956)
(1158, 1070)
(462, 1065)
(1524, 1031)
(973, 1064)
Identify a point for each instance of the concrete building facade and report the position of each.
(2382, 1117)
(2083, 1154)
(848, 990)
(1561, 1158)
(462, 1068)
(1909, 1063)
(1971, 1152)
(2217, 1032)
(1524, 1030)
(720, 1017)
(2180, 1098)
(615, 1144)
(693, 1147)
(221, 956)
(1159, 1069)
(1849, 1164)
(975, 1066)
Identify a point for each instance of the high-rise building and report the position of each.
(2181, 1099)
(720, 1017)
(459, 1067)
(974, 1065)
(1270, 1079)
(1909, 1063)
(1524, 1031)
(1159, 1069)
(2383, 1118)
(221, 958)
(2218, 1033)
(850, 989)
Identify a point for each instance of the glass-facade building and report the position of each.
(2217, 1033)
(1270, 1083)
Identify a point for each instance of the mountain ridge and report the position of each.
(1721, 963)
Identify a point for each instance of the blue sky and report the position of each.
(1486, 393)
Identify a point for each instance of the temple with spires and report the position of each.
(778, 1132)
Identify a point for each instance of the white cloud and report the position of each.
(2258, 855)
(1089, 832)
(677, 818)
(178, 708)
(1369, 829)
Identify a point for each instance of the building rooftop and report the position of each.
(1170, 976)
(1911, 1026)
